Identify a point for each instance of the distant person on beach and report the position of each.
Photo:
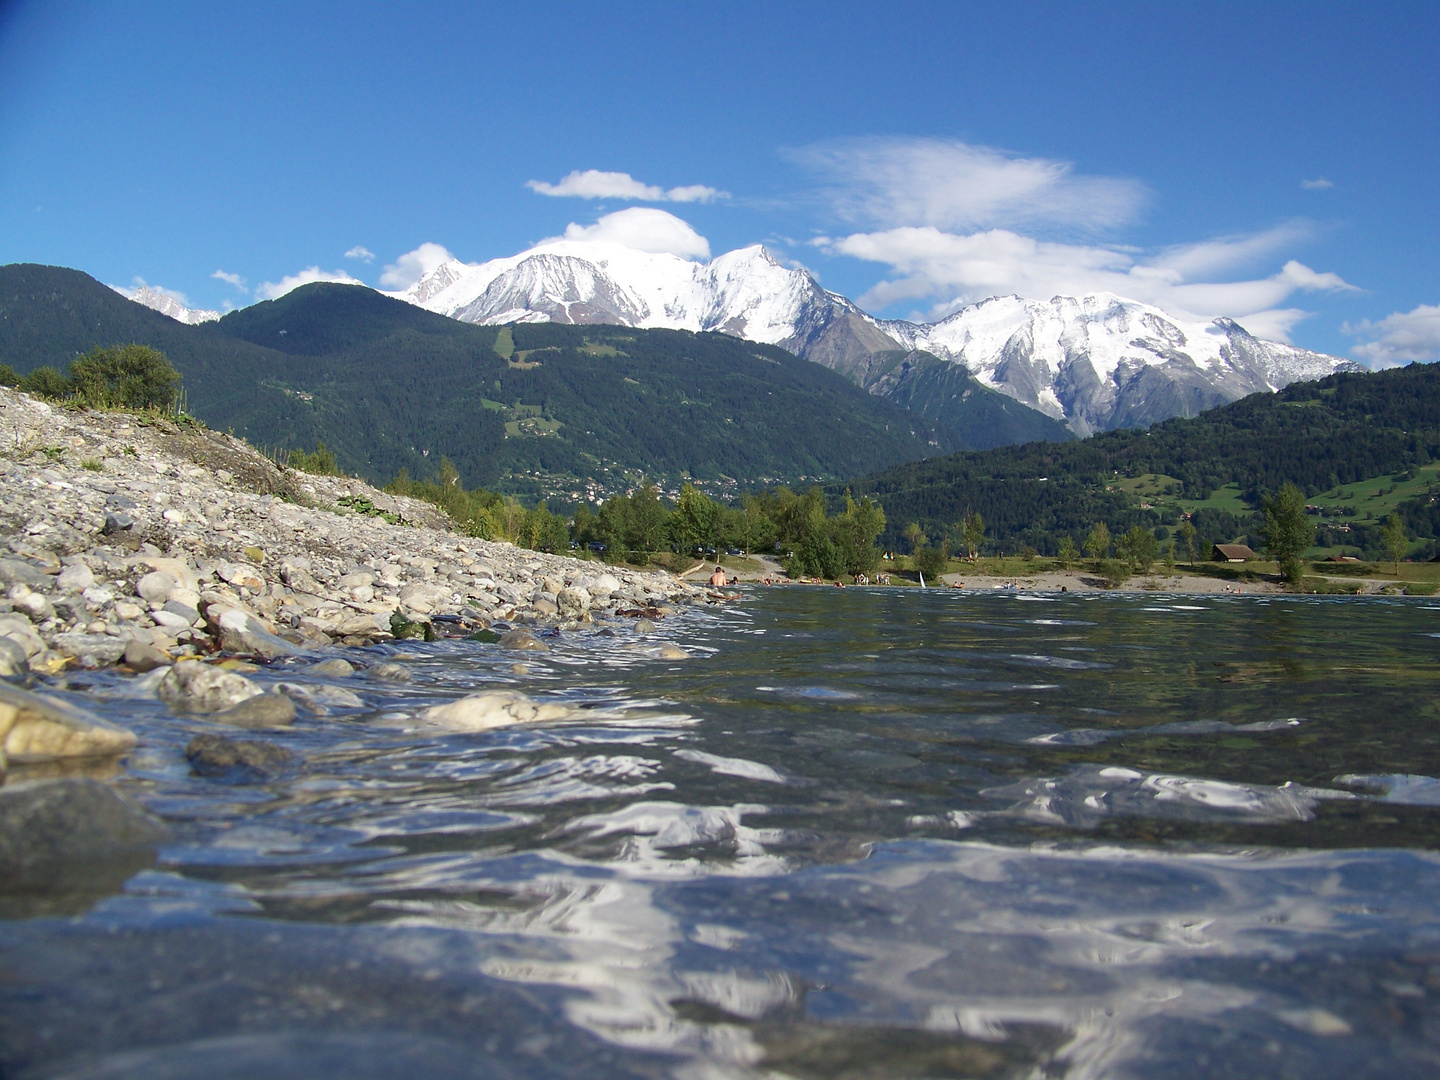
(717, 579)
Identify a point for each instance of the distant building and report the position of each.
(1231, 553)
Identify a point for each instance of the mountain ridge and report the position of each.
(1097, 362)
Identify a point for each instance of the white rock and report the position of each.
(204, 689)
(494, 709)
(155, 586)
(75, 578)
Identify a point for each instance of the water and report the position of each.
(861, 834)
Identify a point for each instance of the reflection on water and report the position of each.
(861, 834)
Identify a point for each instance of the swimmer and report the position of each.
(717, 579)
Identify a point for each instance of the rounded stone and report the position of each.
(155, 587)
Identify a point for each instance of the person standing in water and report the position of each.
(717, 579)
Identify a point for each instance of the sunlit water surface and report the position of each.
(858, 834)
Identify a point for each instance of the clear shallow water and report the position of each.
(861, 834)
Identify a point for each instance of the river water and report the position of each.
(860, 834)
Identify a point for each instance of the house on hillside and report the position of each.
(1231, 553)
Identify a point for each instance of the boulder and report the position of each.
(38, 727)
(19, 572)
(494, 709)
(196, 687)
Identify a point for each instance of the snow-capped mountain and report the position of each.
(1097, 362)
(1102, 362)
(747, 293)
(167, 305)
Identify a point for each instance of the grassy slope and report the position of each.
(1365, 442)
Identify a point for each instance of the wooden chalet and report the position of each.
(1231, 553)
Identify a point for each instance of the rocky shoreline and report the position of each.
(117, 528)
(187, 559)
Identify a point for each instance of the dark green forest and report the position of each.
(534, 409)
(1317, 435)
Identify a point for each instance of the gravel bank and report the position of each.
(120, 532)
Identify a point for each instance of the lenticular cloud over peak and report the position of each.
(642, 229)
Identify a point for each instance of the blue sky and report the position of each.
(1272, 162)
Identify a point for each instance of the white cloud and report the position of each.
(949, 184)
(1318, 184)
(643, 229)
(594, 184)
(413, 265)
(364, 254)
(1399, 338)
(927, 263)
(232, 279)
(273, 290)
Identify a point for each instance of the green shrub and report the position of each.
(46, 382)
(931, 561)
(320, 463)
(8, 376)
(124, 377)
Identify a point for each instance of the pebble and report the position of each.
(671, 652)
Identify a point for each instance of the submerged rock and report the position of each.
(212, 755)
(196, 687)
(494, 709)
(389, 672)
(64, 842)
(335, 669)
(35, 727)
(522, 639)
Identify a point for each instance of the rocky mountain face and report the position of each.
(1101, 362)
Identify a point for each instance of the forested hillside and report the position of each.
(534, 409)
(1327, 437)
